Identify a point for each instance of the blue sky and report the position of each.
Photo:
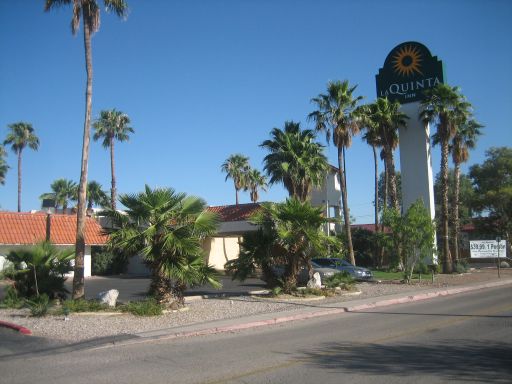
(202, 79)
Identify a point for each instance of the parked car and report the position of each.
(303, 276)
(358, 273)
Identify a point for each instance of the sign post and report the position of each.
(498, 240)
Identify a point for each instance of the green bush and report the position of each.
(108, 263)
(148, 307)
(82, 305)
(461, 266)
(11, 299)
(40, 269)
(39, 305)
(341, 279)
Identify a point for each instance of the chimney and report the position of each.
(48, 226)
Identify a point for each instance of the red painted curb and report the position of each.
(15, 327)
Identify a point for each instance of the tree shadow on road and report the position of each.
(460, 360)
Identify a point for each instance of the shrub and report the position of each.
(82, 305)
(11, 299)
(148, 307)
(40, 269)
(341, 279)
(461, 266)
(108, 263)
(39, 305)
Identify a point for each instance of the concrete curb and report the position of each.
(15, 327)
(166, 335)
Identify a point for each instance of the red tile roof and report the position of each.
(240, 212)
(30, 228)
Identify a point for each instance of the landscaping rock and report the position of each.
(109, 297)
(315, 282)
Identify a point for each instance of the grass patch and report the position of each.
(81, 305)
(148, 307)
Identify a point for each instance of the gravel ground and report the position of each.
(82, 327)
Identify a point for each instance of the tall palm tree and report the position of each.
(372, 138)
(167, 229)
(463, 141)
(3, 165)
(236, 167)
(295, 159)
(387, 118)
(335, 115)
(63, 190)
(111, 126)
(96, 195)
(20, 136)
(89, 12)
(255, 182)
(445, 107)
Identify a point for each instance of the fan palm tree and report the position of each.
(167, 229)
(445, 107)
(89, 12)
(112, 126)
(96, 195)
(20, 136)
(335, 116)
(63, 190)
(255, 182)
(3, 165)
(295, 159)
(236, 167)
(463, 141)
(298, 235)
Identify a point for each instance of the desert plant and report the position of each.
(148, 307)
(82, 305)
(39, 305)
(11, 299)
(40, 269)
(341, 279)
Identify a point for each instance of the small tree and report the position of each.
(40, 269)
(414, 231)
(290, 235)
(167, 229)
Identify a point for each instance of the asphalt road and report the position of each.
(461, 338)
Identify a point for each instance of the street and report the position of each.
(461, 338)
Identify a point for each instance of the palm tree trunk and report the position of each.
(113, 191)
(236, 195)
(376, 188)
(78, 278)
(19, 180)
(376, 205)
(346, 215)
(456, 213)
(447, 262)
(385, 198)
(390, 163)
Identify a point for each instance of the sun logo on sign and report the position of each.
(407, 61)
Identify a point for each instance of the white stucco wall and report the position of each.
(221, 250)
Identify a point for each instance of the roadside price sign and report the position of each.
(487, 249)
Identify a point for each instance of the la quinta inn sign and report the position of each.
(410, 69)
